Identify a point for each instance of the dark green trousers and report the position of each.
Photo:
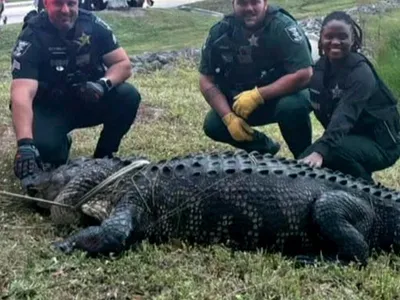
(358, 156)
(292, 113)
(55, 118)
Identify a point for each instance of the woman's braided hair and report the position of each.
(342, 16)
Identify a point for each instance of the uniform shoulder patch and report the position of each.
(294, 33)
(102, 23)
(21, 48)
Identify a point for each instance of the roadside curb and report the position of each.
(200, 10)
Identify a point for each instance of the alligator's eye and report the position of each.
(312, 175)
(264, 172)
(278, 172)
(212, 172)
(293, 175)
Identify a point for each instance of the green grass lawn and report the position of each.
(29, 269)
(299, 8)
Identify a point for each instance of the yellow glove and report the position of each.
(246, 102)
(238, 128)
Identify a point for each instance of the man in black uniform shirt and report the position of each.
(68, 72)
(357, 110)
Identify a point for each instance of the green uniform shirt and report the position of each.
(280, 47)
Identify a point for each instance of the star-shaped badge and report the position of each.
(336, 92)
(83, 40)
(253, 40)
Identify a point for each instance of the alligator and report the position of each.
(243, 200)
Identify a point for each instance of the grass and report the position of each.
(29, 269)
(137, 31)
(299, 8)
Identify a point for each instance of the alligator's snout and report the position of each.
(35, 183)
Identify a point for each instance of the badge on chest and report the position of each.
(336, 92)
(82, 41)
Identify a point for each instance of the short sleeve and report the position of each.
(25, 56)
(106, 38)
(207, 66)
(293, 46)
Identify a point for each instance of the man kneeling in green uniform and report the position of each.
(254, 68)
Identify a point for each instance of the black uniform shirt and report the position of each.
(30, 58)
(342, 105)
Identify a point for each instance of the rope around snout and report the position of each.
(85, 198)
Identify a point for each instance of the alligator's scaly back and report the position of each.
(230, 162)
(206, 167)
(244, 200)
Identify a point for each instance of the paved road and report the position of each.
(171, 3)
(16, 11)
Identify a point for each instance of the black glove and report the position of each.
(27, 159)
(93, 91)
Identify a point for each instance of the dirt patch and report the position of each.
(7, 138)
(147, 114)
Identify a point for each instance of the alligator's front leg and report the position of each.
(112, 236)
(346, 222)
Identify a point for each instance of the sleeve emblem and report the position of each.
(294, 33)
(21, 48)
